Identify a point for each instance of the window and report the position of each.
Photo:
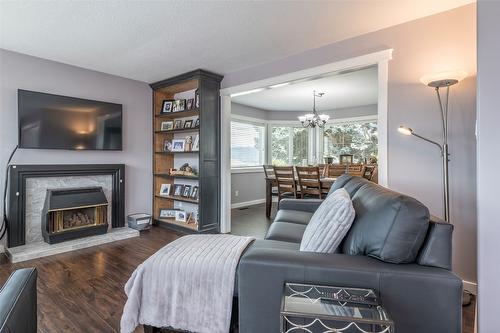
(357, 138)
(247, 144)
(289, 145)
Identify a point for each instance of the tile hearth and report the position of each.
(41, 249)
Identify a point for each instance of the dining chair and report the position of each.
(322, 169)
(269, 173)
(285, 177)
(309, 182)
(356, 169)
(335, 170)
(368, 171)
(374, 177)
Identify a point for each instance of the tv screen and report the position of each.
(49, 121)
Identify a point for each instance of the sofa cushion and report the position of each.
(293, 216)
(286, 232)
(348, 182)
(329, 224)
(388, 226)
(436, 251)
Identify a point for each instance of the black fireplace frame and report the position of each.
(19, 173)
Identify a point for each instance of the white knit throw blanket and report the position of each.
(187, 285)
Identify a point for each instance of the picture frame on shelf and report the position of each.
(194, 193)
(178, 124)
(167, 106)
(197, 123)
(188, 123)
(167, 126)
(190, 103)
(165, 190)
(167, 145)
(178, 145)
(180, 216)
(196, 143)
(189, 143)
(197, 98)
(178, 190)
(167, 213)
(179, 105)
(187, 191)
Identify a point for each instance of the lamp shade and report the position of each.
(443, 79)
(405, 130)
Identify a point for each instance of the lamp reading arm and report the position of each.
(428, 140)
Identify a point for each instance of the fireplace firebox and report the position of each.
(74, 213)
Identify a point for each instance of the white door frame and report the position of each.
(381, 59)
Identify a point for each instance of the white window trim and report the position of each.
(258, 122)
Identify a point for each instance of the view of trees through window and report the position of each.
(288, 145)
(359, 139)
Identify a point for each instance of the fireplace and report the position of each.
(74, 213)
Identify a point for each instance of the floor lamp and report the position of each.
(437, 81)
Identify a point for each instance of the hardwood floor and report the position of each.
(82, 291)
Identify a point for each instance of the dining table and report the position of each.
(326, 183)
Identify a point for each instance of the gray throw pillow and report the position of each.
(329, 224)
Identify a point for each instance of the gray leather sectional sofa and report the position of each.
(392, 247)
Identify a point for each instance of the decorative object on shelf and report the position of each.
(187, 191)
(438, 81)
(346, 158)
(328, 159)
(180, 216)
(184, 170)
(178, 124)
(178, 190)
(189, 143)
(314, 119)
(188, 123)
(167, 145)
(197, 123)
(166, 106)
(196, 143)
(179, 105)
(167, 125)
(194, 193)
(167, 213)
(165, 190)
(190, 103)
(178, 145)
(197, 98)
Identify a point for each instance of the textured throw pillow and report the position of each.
(329, 224)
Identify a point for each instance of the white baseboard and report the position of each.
(247, 203)
(470, 287)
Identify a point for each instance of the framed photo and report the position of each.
(180, 216)
(166, 106)
(167, 213)
(190, 103)
(165, 190)
(167, 125)
(194, 193)
(197, 122)
(167, 145)
(187, 191)
(196, 143)
(178, 144)
(178, 124)
(179, 105)
(188, 123)
(197, 98)
(178, 190)
(346, 158)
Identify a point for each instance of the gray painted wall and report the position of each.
(26, 72)
(420, 47)
(251, 186)
(487, 164)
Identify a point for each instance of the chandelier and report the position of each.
(314, 119)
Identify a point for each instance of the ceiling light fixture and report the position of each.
(314, 119)
(279, 85)
(247, 92)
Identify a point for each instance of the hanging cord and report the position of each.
(5, 222)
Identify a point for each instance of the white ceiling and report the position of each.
(341, 91)
(153, 40)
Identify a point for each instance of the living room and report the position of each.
(116, 147)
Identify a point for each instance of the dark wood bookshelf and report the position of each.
(167, 175)
(177, 198)
(179, 130)
(177, 152)
(179, 114)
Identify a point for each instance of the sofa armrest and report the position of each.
(18, 302)
(304, 205)
(417, 298)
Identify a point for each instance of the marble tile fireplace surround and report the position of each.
(28, 185)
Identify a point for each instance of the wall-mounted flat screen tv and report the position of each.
(49, 121)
